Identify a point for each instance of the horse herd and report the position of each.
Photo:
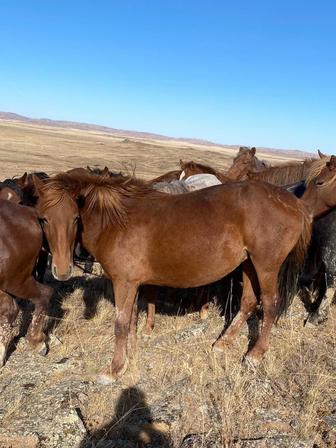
(184, 229)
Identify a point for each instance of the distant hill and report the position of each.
(138, 134)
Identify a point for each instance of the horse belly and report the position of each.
(201, 260)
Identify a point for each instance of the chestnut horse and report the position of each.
(137, 236)
(21, 241)
(244, 163)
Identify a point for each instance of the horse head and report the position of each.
(320, 193)
(59, 216)
(245, 162)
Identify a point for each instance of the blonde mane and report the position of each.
(284, 174)
(316, 169)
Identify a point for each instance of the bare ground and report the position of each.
(176, 392)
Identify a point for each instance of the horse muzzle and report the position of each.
(61, 276)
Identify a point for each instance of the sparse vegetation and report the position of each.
(177, 387)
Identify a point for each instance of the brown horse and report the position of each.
(9, 194)
(21, 242)
(136, 235)
(245, 162)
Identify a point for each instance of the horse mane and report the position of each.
(284, 174)
(315, 171)
(103, 195)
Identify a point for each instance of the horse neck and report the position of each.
(237, 172)
(91, 231)
(313, 202)
(283, 174)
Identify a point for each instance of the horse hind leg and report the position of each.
(320, 314)
(269, 301)
(202, 302)
(40, 296)
(8, 314)
(247, 307)
(150, 293)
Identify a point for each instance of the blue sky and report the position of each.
(237, 72)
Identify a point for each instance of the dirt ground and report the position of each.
(177, 392)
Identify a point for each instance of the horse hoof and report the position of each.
(108, 377)
(250, 362)
(220, 346)
(147, 336)
(2, 355)
(43, 349)
(148, 331)
(315, 319)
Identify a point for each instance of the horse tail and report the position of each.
(288, 280)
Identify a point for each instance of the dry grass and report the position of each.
(220, 398)
(40, 148)
(213, 395)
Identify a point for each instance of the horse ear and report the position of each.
(332, 163)
(105, 172)
(22, 181)
(89, 168)
(321, 155)
(253, 151)
(182, 163)
(38, 185)
(240, 149)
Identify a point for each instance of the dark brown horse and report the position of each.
(21, 242)
(244, 162)
(20, 190)
(135, 234)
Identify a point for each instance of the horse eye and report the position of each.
(319, 183)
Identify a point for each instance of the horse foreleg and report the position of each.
(247, 307)
(8, 313)
(40, 296)
(125, 295)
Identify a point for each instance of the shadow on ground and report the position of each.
(131, 427)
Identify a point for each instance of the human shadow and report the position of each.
(132, 426)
